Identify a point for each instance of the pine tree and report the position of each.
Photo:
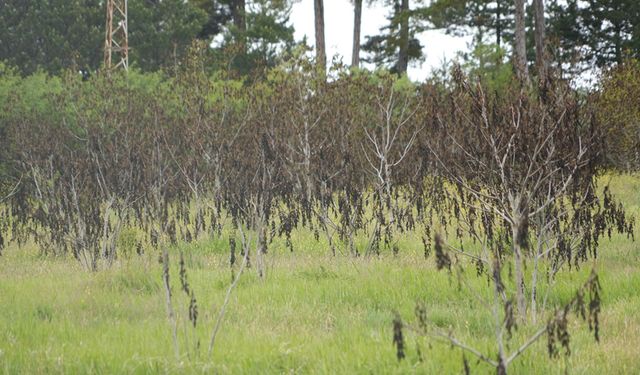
(594, 32)
(396, 45)
(490, 21)
(357, 25)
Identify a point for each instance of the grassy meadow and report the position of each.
(313, 313)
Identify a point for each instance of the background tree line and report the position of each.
(58, 35)
(572, 35)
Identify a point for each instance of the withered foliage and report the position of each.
(180, 157)
(442, 257)
(365, 155)
(588, 310)
(398, 337)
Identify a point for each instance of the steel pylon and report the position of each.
(116, 45)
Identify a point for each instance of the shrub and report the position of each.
(618, 107)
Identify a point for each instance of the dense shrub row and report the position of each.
(363, 153)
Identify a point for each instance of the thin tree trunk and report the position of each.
(239, 21)
(617, 41)
(246, 244)
(541, 60)
(498, 23)
(498, 292)
(540, 243)
(518, 217)
(403, 56)
(261, 248)
(357, 24)
(321, 53)
(520, 47)
(519, 270)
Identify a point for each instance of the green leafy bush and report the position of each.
(618, 108)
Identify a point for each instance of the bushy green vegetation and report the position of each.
(616, 108)
(314, 313)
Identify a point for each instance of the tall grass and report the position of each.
(314, 313)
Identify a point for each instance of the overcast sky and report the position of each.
(338, 16)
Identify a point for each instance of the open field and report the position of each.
(314, 313)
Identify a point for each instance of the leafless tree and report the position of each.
(389, 137)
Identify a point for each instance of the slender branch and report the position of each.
(527, 344)
(223, 309)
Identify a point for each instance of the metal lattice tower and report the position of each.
(116, 44)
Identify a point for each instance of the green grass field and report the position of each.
(314, 313)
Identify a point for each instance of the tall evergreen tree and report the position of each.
(218, 15)
(403, 47)
(53, 35)
(613, 29)
(519, 45)
(588, 33)
(255, 34)
(321, 52)
(357, 26)
(160, 32)
(396, 45)
(540, 40)
(489, 21)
